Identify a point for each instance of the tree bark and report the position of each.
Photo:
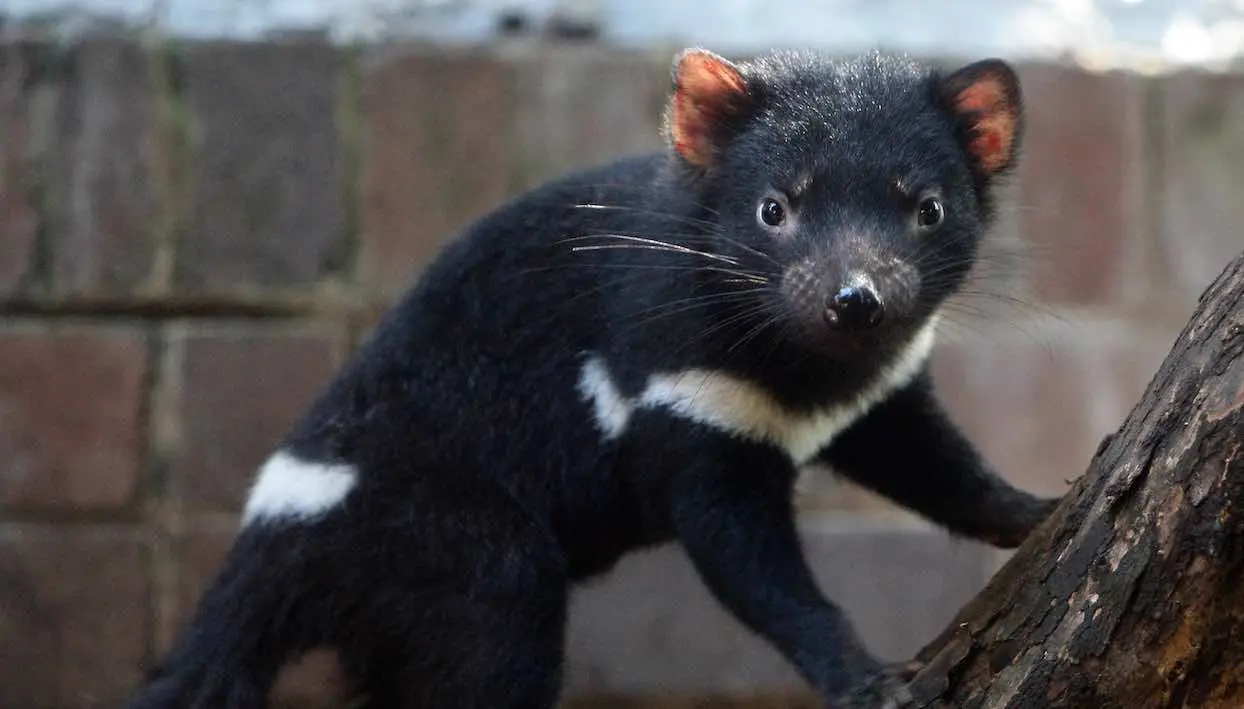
(1132, 593)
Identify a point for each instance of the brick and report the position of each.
(101, 190)
(18, 215)
(71, 415)
(1202, 146)
(79, 167)
(238, 389)
(315, 681)
(436, 155)
(1037, 395)
(1082, 198)
(579, 106)
(266, 203)
(652, 627)
(74, 617)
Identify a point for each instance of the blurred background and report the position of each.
(204, 205)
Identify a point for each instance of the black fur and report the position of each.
(485, 486)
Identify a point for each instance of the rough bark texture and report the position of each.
(1132, 594)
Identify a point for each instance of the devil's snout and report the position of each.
(854, 307)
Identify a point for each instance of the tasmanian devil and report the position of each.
(637, 353)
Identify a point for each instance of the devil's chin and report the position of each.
(882, 341)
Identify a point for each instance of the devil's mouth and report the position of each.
(879, 342)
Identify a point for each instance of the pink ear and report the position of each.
(708, 92)
(985, 97)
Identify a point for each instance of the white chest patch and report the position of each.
(743, 409)
(290, 488)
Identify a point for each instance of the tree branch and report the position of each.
(1132, 593)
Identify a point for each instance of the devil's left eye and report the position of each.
(930, 213)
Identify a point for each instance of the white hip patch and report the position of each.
(294, 489)
(744, 409)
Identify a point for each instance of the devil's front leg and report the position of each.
(909, 450)
(728, 502)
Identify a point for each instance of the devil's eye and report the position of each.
(771, 212)
(930, 213)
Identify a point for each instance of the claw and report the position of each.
(884, 690)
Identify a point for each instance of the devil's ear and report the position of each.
(710, 98)
(985, 99)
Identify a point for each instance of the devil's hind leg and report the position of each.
(501, 654)
(465, 603)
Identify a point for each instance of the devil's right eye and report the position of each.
(771, 212)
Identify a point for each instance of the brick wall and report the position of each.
(192, 238)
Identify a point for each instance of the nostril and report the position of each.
(832, 318)
(854, 308)
(872, 310)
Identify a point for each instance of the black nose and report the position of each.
(854, 308)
